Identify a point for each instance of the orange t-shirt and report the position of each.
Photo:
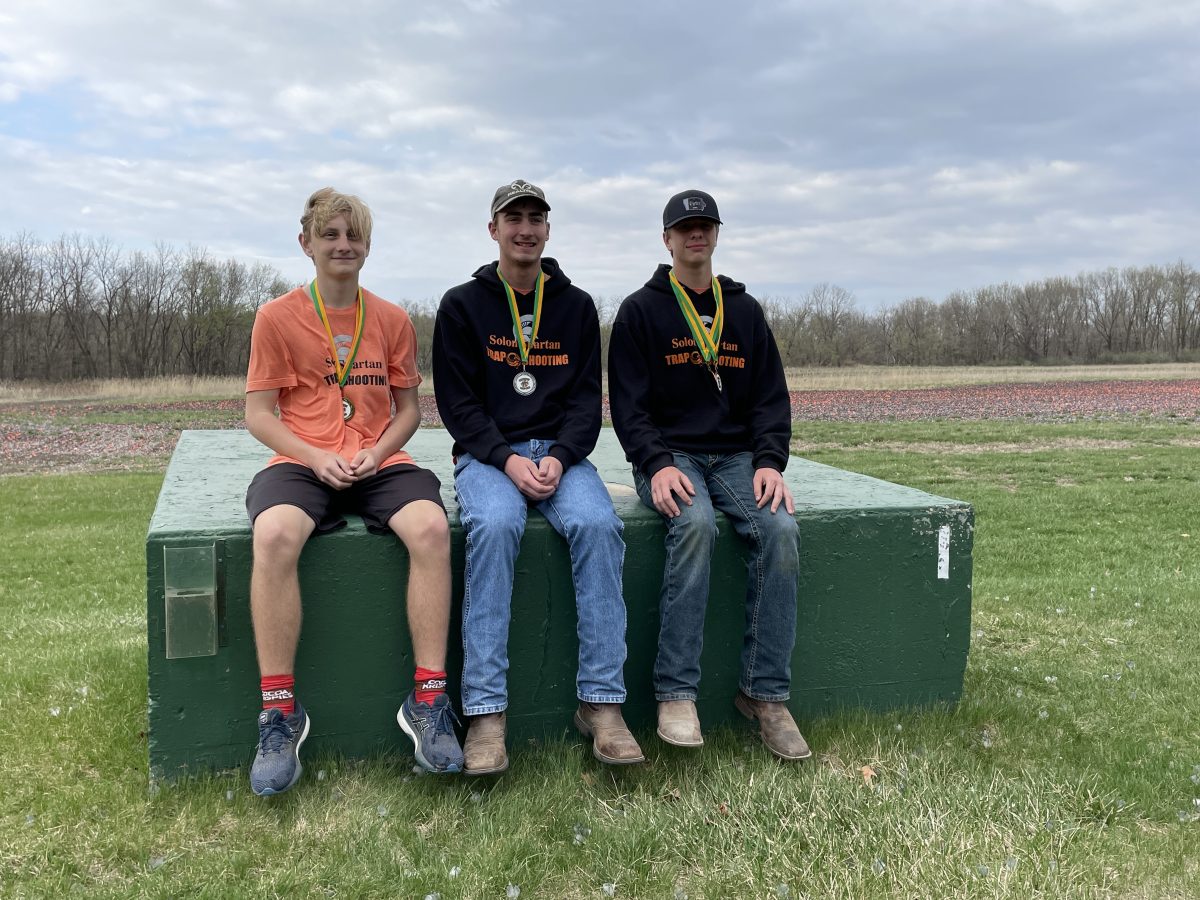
(289, 351)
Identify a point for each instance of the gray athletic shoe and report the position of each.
(277, 763)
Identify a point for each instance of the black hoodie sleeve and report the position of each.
(629, 393)
(771, 418)
(581, 418)
(458, 386)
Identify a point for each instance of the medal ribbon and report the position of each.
(522, 346)
(343, 371)
(707, 340)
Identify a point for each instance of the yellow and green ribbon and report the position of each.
(342, 370)
(524, 347)
(708, 340)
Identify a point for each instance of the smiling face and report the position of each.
(521, 229)
(337, 250)
(692, 241)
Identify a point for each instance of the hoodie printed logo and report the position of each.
(502, 349)
(684, 352)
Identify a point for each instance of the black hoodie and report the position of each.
(475, 358)
(663, 397)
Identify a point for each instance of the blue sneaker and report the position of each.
(430, 725)
(277, 763)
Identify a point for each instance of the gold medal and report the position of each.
(524, 383)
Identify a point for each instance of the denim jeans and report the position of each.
(492, 512)
(726, 482)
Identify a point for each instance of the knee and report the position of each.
(779, 532)
(426, 533)
(600, 523)
(694, 529)
(278, 538)
(505, 530)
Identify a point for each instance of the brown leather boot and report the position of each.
(612, 742)
(484, 747)
(776, 727)
(678, 723)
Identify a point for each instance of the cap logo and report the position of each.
(693, 204)
(521, 186)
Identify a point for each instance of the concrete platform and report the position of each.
(884, 608)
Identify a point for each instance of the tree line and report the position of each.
(1147, 313)
(80, 307)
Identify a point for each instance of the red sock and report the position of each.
(277, 692)
(429, 684)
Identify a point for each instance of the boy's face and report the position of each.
(337, 251)
(521, 229)
(691, 241)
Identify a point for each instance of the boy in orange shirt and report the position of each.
(334, 359)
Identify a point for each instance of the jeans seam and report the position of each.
(752, 522)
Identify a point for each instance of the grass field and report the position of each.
(803, 379)
(1070, 769)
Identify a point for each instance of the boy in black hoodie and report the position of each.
(700, 404)
(516, 370)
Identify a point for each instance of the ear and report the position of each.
(492, 230)
(304, 244)
(547, 229)
(667, 242)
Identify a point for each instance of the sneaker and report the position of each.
(277, 763)
(431, 727)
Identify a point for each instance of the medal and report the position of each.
(708, 340)
(342, 370)
(524, 383)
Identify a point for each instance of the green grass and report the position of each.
(1086, 598)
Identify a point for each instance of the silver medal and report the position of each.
(524, 383)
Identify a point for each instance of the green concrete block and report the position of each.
(884, 608)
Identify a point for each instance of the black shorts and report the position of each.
(376, 498)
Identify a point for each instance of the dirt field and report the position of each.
(103, 435)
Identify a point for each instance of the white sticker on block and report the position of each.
(944, 552)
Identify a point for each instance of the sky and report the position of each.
(897, 149)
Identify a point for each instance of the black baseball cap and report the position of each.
(517, 190)
(690, 205)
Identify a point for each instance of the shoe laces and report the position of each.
(275, 735)
(443, 719)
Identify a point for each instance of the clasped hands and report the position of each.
(536, 481)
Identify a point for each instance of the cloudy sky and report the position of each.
(897, 148)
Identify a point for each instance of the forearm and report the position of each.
(402, 427)
(268, 430)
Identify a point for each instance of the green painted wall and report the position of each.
(877, 626)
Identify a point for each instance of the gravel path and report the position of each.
(91, 437)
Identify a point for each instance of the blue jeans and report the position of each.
(726, 482)
(492, 512)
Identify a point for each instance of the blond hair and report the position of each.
(326, 203)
